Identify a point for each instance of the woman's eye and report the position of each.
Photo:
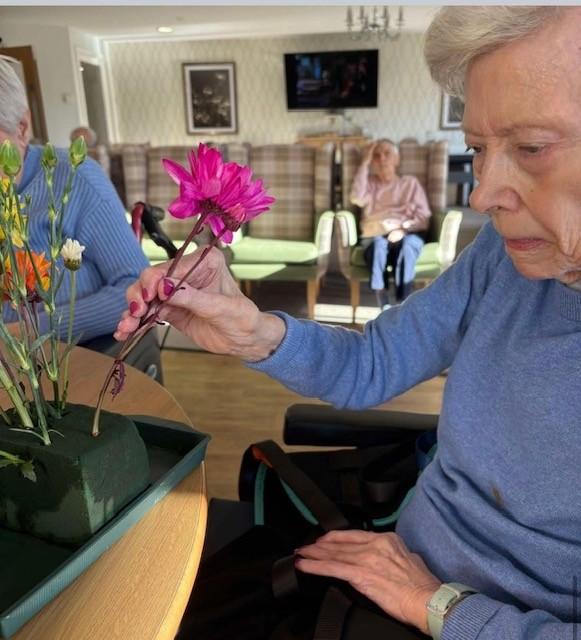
(473, 147)
(531, 149)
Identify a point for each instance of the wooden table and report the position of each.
(138, 589)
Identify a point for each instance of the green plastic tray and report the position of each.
(33, 572)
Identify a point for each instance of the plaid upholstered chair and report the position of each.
(292, 242)
(429, 163)
(145, 180)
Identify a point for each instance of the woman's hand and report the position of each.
(379, 566)
(367, 156)
(208, 307)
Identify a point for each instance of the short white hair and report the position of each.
(391, 143)
(457, 35)
(13, 102)
(87, 133)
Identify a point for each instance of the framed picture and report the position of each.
(210, 92)
(452, 112)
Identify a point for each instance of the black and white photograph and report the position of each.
(210, 92)
(452, 112)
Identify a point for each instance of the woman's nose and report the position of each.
(495, 188)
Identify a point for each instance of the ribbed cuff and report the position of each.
(467, 618)
(288, 348)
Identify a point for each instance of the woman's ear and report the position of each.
(24, 131)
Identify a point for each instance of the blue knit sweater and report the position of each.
(499, 509)
(95, 217)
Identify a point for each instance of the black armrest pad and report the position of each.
(322, 425)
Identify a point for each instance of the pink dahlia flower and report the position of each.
(222, 193)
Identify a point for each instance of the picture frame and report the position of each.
(210, 95)
(452, 112)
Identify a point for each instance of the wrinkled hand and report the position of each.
(379, 566)
(209, 308)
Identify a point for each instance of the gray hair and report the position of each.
(457, 35)
(391, 143)
(87, 133)
(13, 102)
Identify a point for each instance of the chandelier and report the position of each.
(374, 24)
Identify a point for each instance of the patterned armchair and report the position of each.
(429, 163)
(145, 180)
(292, 242)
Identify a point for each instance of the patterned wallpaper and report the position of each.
(146, 83)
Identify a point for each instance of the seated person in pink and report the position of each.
(395, 212)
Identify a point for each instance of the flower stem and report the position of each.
(194, 232)
(150, 319)
(14, 395)
(69, 339)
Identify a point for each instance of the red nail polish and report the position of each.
(145, 295)
(133, 307)
(168, 287)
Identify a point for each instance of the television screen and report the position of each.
(331, 79)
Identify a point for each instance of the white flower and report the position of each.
(72, 254)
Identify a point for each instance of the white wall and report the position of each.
(147, 90)
(52, 50)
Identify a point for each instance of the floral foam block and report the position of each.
(81, 481)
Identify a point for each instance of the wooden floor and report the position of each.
(238, 406)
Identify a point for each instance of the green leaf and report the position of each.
(9, 458)
(5, 463)
(39, 341)
(27, 470)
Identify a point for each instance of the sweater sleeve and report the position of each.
(120, 261)
(419, 207)
(406, 344)
(112, 253)
(481, 618)
(111, 248)
(360, 192)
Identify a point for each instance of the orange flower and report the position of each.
(26, 272)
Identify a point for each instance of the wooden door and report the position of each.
(26, 57)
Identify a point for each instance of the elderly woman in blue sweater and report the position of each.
(95, 217)
(499, 510)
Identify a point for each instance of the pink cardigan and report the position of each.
(387, 205)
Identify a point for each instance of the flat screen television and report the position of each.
(331, 79)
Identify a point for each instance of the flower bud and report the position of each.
(78, 151)
(10, 161)
(72, 254)
(49, 159)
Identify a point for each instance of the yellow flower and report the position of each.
(10, 218)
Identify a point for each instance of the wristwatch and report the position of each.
(440, 604)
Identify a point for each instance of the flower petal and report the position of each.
(176, 172)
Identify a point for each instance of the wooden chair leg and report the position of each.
(355, 296)
(247, 284)
(311, 298)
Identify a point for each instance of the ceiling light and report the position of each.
(373, 24)
(165, 29)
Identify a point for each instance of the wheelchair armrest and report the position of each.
(322, 425)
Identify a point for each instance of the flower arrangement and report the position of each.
(220, 195)
(29, 282)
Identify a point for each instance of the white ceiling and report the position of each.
(140, 22)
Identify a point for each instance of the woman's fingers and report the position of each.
(351, 535)
(330, 568)
(127, 325)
